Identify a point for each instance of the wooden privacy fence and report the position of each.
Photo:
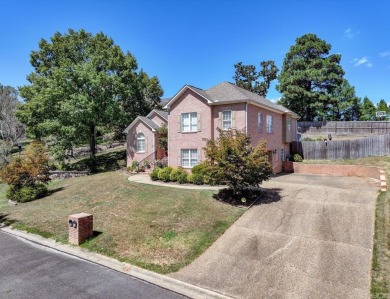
(345, 127)
(343, 149)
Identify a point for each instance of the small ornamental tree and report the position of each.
(231, 159)
(163, 137)
(27, 177)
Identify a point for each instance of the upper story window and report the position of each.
(259, 122)
(288, 125)
(226, 120)
(189, 122)
(269, 123)
(141, 143)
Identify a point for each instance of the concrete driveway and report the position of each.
(313, 241)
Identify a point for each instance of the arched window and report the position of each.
(141, 144)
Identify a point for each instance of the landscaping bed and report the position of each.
(158, 228)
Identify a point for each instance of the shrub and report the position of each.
(134, 166)
(199, 169)
(176, 173)
(27, 193)
(233, 160)
(182, 177)
(197, 179)
(165, 173)
(26, 176)
(190, 178)
(210, 180)
(297, 158)
(154, 174)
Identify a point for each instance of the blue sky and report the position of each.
(198, 42)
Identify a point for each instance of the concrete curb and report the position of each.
(142, 274)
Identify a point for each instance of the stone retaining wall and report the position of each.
(67, 174)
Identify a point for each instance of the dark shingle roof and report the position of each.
(162, 113)
(226, 92)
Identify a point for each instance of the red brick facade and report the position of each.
(207, 108)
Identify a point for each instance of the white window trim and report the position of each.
(140, 138)
(259, 122)
(191, 151)
(191, 124)
(269, 122)
(228, 121)
(282, 155)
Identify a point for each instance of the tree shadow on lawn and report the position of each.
(104, 162)
(55, 190)
(5, 221)
(249, 196)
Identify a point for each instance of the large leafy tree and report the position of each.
(80, 82)
(10, 128)
(309, 76)
(247, 77)
(345, 105)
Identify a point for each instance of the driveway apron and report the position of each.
(314, 241)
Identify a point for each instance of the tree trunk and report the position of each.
(92, 147)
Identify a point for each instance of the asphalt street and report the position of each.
(28, 270)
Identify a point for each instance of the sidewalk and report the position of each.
(144, 178)
(145, 275)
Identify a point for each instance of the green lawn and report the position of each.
(380, 275)
(158, 228)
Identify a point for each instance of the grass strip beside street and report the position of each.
(158, 228)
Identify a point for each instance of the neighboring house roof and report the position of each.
(229, 93)
(164, 101)
(151, 124)
(162, 113)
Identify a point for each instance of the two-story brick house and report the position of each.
(195, 114)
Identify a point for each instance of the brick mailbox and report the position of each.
(80, 227)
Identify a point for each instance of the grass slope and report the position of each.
(158, 228)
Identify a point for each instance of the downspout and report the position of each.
(246, 118)
(169, 114)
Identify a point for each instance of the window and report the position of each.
(259, 122)
(141, 143)
(282, 157)
(189, 122)
(269, 123)
(189, 158)
(226, 120)
(288, 125)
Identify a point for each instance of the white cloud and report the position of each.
(384, 54)
(350, 33)
(362, 61)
